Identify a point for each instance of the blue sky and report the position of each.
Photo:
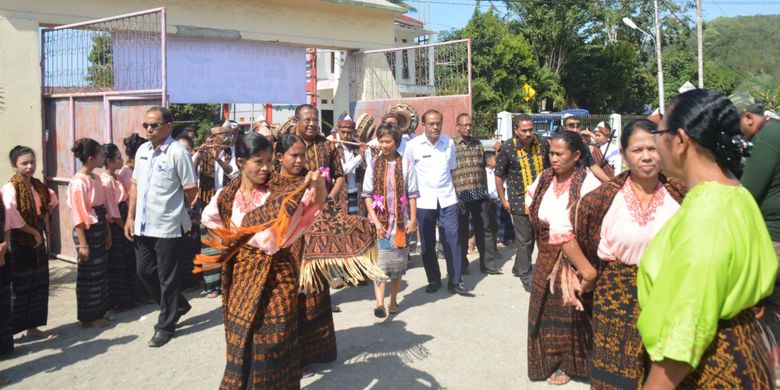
(447, 14)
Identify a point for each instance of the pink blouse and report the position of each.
(115, 190)
(303, 217)
(125, 176)
(85, 193)
(13, 219)
(628, 227)
(554, 210)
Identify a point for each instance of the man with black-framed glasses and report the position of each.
(163, 183)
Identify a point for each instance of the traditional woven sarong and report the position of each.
(336, 246)
(260, 298)
(92, 292)
(619, 360)
(122, 274)
(29, 268)
(738, 358)
(559, 336)
(6, 327)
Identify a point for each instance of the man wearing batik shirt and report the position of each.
(321, 154)
(471, 188)
(518, 163)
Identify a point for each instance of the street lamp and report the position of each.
(657, 41)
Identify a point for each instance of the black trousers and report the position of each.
(524, 240)
(479, 219)
(158, 269)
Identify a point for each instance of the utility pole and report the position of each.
(661, 100)
(700, 43)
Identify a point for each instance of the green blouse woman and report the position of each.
(711, 263)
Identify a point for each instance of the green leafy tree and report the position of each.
(100, 72)
(680, 66)
(608, 78)
(200, 116)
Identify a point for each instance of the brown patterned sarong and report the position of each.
(619, 360)
(738, 358)
(559, 336)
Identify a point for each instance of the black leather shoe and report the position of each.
(159, 339)
(460, 289)
(182, 311)
(433, 287)
(527, 287)
(490, 271)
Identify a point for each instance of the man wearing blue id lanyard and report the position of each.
(163, 183)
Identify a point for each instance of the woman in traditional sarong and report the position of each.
(261, 275)
(390, 189)
(613, 225)
(28, 204)
(713, 261)
(123, 278)
(90, 208)
(6, 325)
(559, 335)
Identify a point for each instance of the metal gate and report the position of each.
(98, 78)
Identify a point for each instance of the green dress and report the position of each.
(712, 260)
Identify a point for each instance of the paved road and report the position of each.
(436, 341)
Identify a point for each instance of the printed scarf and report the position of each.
(525, 165)
(399, 192)
(26, 204)
(206, 172)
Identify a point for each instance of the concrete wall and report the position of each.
(310, 23)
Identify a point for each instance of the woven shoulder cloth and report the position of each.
(339, 246)
(275, 214)
(25, 202)
(206, 186)
(589, 212)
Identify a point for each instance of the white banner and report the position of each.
(230, 71)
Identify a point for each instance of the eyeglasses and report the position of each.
(152, 125)
(573, 125)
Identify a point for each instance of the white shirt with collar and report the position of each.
(349, 164)
(219, 173)
(433, 164)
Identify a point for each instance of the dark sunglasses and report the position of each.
(152, 125)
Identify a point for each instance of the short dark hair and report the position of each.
(391, 130)
(251, 144)
(303, 107)
(84, 148)
(633, 126)
(19, 151)
(167, 115)
(431, 111)
(572, 140)
(711, 120)
(571, 118)
(521, 118)
(461, 115)
(111, 150)
(489, 154)
(756, 109)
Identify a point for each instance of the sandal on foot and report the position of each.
(393, 309)
(558, 378)
(380, 312)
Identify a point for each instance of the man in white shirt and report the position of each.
(434, 157)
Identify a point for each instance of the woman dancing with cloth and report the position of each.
(28, 205)
(267, 214)
(559, 335)
(711, 263)
(614, 224)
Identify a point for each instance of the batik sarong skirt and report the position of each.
(92, 291)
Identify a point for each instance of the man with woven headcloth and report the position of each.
(351, 162)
